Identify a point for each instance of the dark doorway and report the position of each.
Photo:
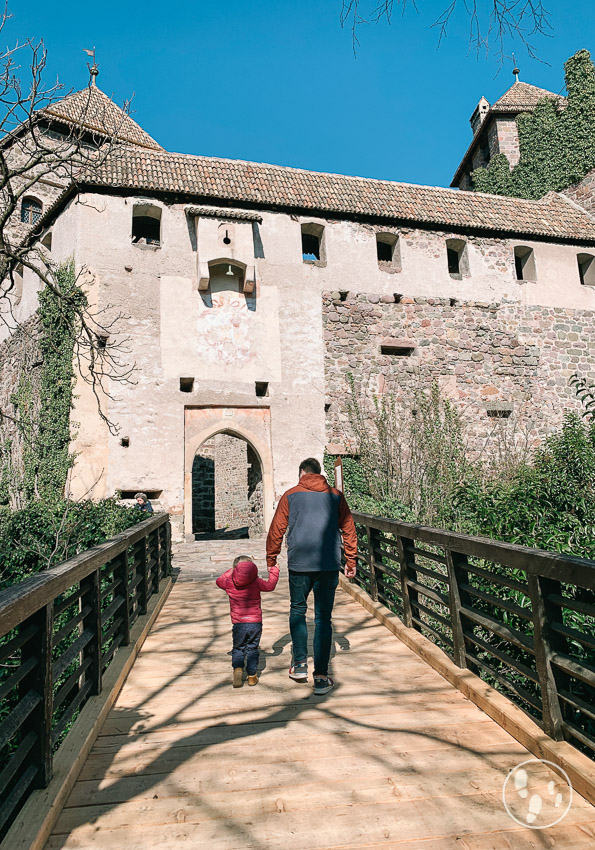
(227, 490)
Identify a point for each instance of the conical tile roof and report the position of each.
(95, 111)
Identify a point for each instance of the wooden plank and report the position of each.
(580, 769)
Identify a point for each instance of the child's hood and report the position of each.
(244, 573)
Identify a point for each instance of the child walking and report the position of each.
(243, 586)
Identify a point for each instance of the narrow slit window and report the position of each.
(186, 385)
(524, 263)
(397, 349)
(456, 258)
(150, 494)
(146, 224)
(586, 269)
(312, 243)
(499, 412)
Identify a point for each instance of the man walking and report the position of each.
(315, 515)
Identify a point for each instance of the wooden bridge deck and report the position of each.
(393, 758)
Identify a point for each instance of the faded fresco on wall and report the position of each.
(225, 321)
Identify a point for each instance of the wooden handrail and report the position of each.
(59, 631)
(458, 600)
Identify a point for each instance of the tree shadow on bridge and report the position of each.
(144, 771)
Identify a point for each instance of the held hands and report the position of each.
(350, 571)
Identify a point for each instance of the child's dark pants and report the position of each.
(246, 638)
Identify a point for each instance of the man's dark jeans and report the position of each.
(246, 638)
(324, 585)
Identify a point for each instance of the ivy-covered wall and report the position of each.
(557, 145)
(36, 365)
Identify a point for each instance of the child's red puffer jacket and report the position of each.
(243, 586)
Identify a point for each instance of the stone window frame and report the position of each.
(586, 268)
(31, 210)
(457, 257)
(392, 239)
(525, 267)
(312, 228)
(149, 243)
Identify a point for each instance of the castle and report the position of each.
(253, 290)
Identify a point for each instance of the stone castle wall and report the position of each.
(494, 359)
(20, 357)
(584, 192)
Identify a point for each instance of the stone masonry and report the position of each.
(488, 357)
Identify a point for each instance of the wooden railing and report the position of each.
(59, 631)
(522, 619)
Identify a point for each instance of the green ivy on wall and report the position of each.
(44, 427)
(557, 145)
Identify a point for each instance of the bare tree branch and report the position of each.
(491, 22)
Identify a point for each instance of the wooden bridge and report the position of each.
(411, 750)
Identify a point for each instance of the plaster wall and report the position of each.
(226, 340)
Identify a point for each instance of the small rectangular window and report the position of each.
(586, 269)
(524, 263)
(397, 349)
(150, 494)
(499, 412)
(125, 442)
(261, 389)
(388, 252)
(310, 246)
(186, 385)
(456, 258)
(313, 243)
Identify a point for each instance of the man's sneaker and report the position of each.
(323, 684)
(237, 676)
(299, 672)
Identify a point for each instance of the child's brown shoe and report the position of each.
(253, 680)
(238, 672)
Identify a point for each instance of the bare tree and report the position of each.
(491, 22)
(39, 151)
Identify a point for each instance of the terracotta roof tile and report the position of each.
(94, 110)
(523, 96)
(274, 187)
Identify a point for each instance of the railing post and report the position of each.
(407, 570)
(40, 681)
(122, 573)
(372, 540)
(544, 640)
(143, 570)
(92, 597)
(153, 548)
(455, 566)
(168, 548)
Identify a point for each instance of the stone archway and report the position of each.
(227, 488)
(240, 437)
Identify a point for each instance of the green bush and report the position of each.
(44, 534)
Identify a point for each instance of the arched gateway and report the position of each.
(228, 482)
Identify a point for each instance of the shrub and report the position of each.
(42, 534)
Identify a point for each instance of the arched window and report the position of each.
(146, 224)
(586, 269)
(31, 210)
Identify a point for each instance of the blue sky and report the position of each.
(277, 81)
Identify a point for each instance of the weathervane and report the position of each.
(515, 70)
(93, 69)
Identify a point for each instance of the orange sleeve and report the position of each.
(348, 532)
(277, 530)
